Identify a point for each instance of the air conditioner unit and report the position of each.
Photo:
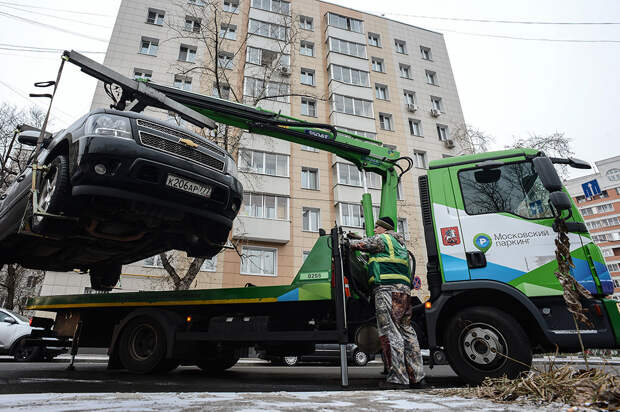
(407, 236)
(449, 143)
(435, 112)
(412, 107)
(285, 71)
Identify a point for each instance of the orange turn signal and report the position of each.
(188, 319)
(427, 305)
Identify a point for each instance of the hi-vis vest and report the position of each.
(390, 266)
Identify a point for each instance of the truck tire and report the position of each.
(475, 340)
(104, 276)
(53, 195)
(23, 353)
(142, 346)
(219, 363)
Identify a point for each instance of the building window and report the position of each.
(306, 23)
(309, 178)
(351, 215)
(153, 262)
(149, 46)
(306, 48)
(614, 267)
(373, 180)
(209, 265)
(272, 164)
(311, 219)
(399, 191)
(370, 135)
(262, 28)
(374, 39)
(378, 65)
(307, 77)
(308, 107)
(405, 71)
(231, 6)
(187, 54)
(401, 226)
(613, 175)
(347, 47)
(381, 91)
(228, 31)
(182, 82)
(267, 58)
(349, 75)
(192, 24)
(348, 175)
(580, 199)
(276, 6)
(431, 77)
(142, 74)
(272, 90)
(304, 255)
(426, 53)
(345, 23)
(155, 17)
(264, 206)
(258, 261)
(436, 103)
(225, 60)
(589, 211)
(400, 46)
(351, 105)
(223, 92)
(409, 97)
(309, 148)
(419, 159)
(415, 127)
(606, 222)
(442, 132)
(385, 121)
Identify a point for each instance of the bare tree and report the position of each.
(555, 144)
(16, 282)
(174, 263)
(471, 139)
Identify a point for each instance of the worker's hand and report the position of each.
(353, 235)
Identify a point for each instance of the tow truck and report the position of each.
(490, 221)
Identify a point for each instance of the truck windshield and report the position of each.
(513, 188)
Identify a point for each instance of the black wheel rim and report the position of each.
(47, 191)
(143, 342)
(290, 360)
(361, 358)
(483, 346)
(24, 352)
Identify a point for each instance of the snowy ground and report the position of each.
(255, 402)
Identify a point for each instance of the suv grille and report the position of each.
(176, 133)
(166, 145)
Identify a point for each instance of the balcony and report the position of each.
(262, 230)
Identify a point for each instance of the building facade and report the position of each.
(315, 61)
(601, 212)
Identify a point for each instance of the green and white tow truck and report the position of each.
(490, 222)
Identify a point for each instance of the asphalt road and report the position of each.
(94, 377)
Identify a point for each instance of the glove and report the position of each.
(353, 235)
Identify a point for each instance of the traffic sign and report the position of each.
(591, 188)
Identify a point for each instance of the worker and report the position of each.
(388, 273)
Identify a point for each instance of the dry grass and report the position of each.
(592, 388)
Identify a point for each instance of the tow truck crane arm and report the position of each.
(205, 111)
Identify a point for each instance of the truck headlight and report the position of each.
(108, 125)
(231, 167)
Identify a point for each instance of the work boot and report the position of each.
(393, 385)
(422, 384)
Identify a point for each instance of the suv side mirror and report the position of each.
(547, 173)
(10, 320)
(30, 137)
(560, 200)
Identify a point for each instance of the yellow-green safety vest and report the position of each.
(390, 266)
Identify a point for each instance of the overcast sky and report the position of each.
(507, 87)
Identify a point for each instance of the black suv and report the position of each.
(130, 186)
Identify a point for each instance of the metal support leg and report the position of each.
(344, 368)
(340, 306)
(75, 345)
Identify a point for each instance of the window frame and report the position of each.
(431, 78)
(377, 37)
(400, 46)
(377, 62)
(228, 9)
(405, 69)
(348, 22)
(382, 92)
(351, 72)
(264, 154)
(303, 25)
(183, 80)
(309, 171)
(417, 154)
(424, 49)
(353, 105)
(418, 124)
(263, 206)
(213, 261)
(311, 106)
(188, 52)
(158, 13)
(444, 128)
(318, 219)
(262, 249)
(383, 117)
(152, 42)
(144, 74)
(306, 45)
(307, 74)
(332, 42)
(226, 34)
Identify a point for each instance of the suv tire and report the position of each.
(104, 276)
(53, 194)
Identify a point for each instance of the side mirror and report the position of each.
(560, 200)
(10, 320)
(30, 137)
(578, 163)
(547, 173)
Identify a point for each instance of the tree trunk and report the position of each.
(10, 283)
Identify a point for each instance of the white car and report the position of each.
(14, 329)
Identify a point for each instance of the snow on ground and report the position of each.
(258, 402)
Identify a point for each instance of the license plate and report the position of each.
(177, 182)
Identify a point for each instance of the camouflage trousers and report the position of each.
(398, 338)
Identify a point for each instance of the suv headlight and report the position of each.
(231, 167)
(108, 125)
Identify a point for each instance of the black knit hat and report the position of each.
(385, 222)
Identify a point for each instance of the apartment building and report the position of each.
(313, 60)
(601, 212)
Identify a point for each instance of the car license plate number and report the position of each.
(177, 182)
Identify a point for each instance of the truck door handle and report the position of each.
(476, 260)
(3, 197)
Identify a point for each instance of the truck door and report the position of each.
(507, 229)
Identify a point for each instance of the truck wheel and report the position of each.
(23, 353)
(222, 361)
(53, 194)
(142, 346)
(360, 358)
(290, 360)
(482, 341)
(104, 276)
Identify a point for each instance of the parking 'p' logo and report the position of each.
(482, 242)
